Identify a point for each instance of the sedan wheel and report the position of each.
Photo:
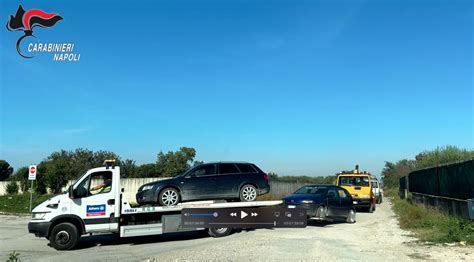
(169, 197)
(351, 217)
(321, 213)
(248, 193)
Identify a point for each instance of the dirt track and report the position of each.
(374, 237)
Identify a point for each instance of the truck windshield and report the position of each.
(312, 190)
(353, 181)
(79, 179)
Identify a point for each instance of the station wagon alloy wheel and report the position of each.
(219, 232)
(248, 193)
(169, 197)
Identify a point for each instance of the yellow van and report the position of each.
(359, 185)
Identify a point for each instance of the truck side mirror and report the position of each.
(71, 192)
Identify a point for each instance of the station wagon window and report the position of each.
(228, 169)
(246, 168)
(205, 170)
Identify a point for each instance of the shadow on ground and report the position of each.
(114, 239)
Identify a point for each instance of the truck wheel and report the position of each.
(64, 236)
(219, 232)
(371, 209)
(351, 217)
(168, 197)
(380, 199)
(248, 193)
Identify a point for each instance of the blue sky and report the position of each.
(297, 87)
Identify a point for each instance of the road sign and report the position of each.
(32, 173)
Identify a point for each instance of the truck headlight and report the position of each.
(147, 187)
(364, 196)
(38, 216)
(307, 201)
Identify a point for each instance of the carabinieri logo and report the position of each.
(27, 20)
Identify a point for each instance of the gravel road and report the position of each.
(374, 237)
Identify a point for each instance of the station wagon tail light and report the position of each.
(265, 176)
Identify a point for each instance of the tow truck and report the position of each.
(359, 185)
(95, 203)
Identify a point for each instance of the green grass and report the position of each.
(429, 224)
(20, 203)
(270, 196)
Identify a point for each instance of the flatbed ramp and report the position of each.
(198, 204)
(165, 219)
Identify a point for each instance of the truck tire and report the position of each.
(248, 193)
(219, 232)
(351, 217)
(64, 236)
(371, 209)
(168, 197)
(380, 199)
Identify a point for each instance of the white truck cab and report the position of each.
(95, 204)
(377, 190)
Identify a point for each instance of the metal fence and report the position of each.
(403, 187)
(284, 188)
(453, 180)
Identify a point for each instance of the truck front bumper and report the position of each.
(40, 229)
(362, 202)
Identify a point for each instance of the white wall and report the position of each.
(130, 186)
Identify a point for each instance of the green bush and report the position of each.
(20, 203)
(40, 185)
(12, 188)
(430, 224)
(13, 257)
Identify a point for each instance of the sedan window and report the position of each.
(342, 193)
(332, 194)
(311, 190)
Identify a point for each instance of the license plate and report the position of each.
(291, 206)
(354, 202)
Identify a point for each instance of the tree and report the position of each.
(21, 175)
(63, 165)
(128, 168)
(148, 170)
(12, 188)
(174, 163)
(392, 172)
(5, 170)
